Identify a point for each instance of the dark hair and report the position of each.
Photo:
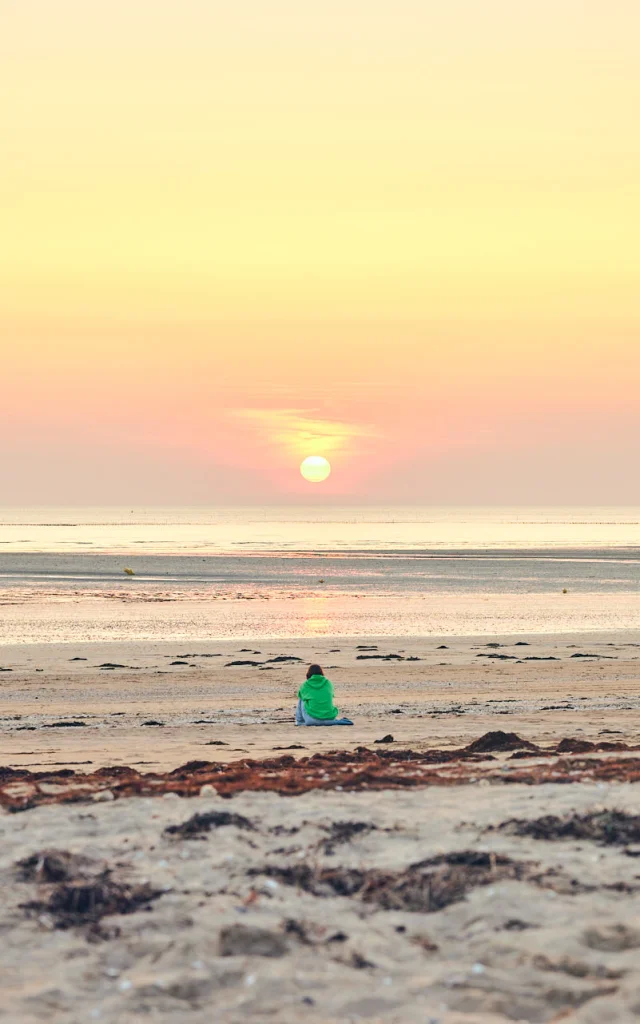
(314, 670)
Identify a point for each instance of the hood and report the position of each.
(316, 682)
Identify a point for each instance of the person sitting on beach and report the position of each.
(315, 701)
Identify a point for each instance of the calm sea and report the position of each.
(211, 573)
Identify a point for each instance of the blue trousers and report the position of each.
(302, 718)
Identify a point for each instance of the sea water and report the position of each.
(213, 573)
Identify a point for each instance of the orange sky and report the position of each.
(403, 235)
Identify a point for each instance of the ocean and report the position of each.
(216, 573)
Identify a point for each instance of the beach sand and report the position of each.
(458, 689)
(418, 907)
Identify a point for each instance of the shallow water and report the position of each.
(216, 573)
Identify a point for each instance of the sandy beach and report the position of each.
(413, 901)
(426, 692)
(320, 376)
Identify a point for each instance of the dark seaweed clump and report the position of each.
(425, 887)
(609, 827)
(77, 894)
(198, 824)
(499, 740)
(344, 832)
(85, 902)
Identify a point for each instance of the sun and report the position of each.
(315, 468)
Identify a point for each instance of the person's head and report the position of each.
(314, 670)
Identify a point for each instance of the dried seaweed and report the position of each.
(198, 824)
(52, 865)
(607, 827)
(344, 832)
(20, 789)
(425, 887)
(498, 741)
(87, 901)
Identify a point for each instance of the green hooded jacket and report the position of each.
(316, 693)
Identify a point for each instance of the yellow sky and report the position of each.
(415, 223)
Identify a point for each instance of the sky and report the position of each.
(402, 234)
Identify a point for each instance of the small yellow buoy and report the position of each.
(129, 572)
(564, 590)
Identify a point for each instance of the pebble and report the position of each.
(454, 980)
(478, 969)
(103, 796)
(250, 979)
(125, 985)
(208, 790)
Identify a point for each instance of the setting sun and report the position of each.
(315, 468)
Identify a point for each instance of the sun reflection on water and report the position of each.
(315, 620)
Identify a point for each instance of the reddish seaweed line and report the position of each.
(362, 769)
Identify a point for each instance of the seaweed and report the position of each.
(425, 887)
(87, 901)
(612, 828)
(198, 824)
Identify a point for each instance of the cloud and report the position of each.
(299, 434)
